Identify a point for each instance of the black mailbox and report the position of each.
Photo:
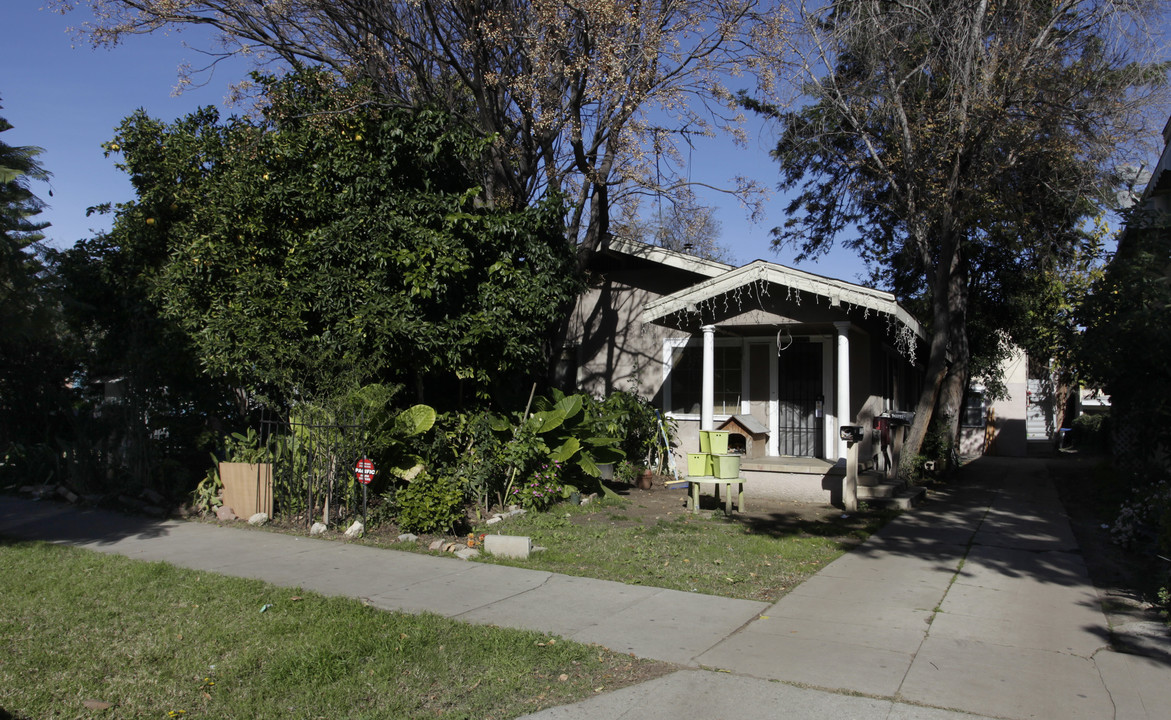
(903, 417)
(850, 433)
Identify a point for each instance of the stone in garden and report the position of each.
(318, 529)
(510, 546)
(435, 545)
(224, 513)
(494, 519)
(408, 537)
(355, 530)
(65, 493)
(467, 553)
(258, 519)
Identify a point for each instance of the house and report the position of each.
(1006, 426)
(783, 356)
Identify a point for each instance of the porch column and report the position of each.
(842, 389)
(708, 397)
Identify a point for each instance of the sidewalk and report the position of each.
(976, 603)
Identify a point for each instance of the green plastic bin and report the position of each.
(699, 464)
(726, 466)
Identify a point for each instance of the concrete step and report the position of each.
(878, 490)
(903, 498)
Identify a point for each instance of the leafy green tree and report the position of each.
(33, 364)
(964, 144)
(1128, 335)
(330, 243)
(143, 414)
(18, 208)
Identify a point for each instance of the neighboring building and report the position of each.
(1004, 426)
(1029, 419)
(794, 355)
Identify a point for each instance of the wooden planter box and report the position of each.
(247, 488)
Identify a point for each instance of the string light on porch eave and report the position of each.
(904, 337)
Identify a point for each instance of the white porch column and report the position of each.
(708, 397)
(842, 389)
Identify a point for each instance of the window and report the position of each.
(974, 415)
(685, 378)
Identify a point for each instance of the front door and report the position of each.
(800, 416)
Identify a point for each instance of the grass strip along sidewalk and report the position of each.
(84, 634)
(749, 558)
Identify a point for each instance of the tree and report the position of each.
(960, 141)
(18, 230)
(32, 365)
(687, 227)
(322, 246)
(1128, 338)
(582, 98)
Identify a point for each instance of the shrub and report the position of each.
(1089, 431)
(1144, 518)
(430, 505)
(629, 417)
(542, 490)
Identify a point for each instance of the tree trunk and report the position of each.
(955, 383)
(946, 298)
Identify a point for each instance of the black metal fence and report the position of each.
(314, 454)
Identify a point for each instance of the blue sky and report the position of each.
(67, 98)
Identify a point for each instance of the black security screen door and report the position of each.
(800, 420)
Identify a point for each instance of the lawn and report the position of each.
(648, 539)
(86, 634)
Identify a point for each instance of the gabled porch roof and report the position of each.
(749, 279)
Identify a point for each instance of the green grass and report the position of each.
(700, 553)
(155, 641)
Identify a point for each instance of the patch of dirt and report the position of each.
(763, 516)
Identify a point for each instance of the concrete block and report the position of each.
(512, 546)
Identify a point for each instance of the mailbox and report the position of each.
(850, 433)
(903, 417)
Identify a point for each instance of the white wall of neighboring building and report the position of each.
(1004, 431)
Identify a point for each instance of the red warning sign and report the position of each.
(364, 471)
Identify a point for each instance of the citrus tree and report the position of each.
(330, 243)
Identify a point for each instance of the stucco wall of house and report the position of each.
(616, 351)
(1008, 423)
(1004, 433)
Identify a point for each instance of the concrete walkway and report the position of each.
(975, 605)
